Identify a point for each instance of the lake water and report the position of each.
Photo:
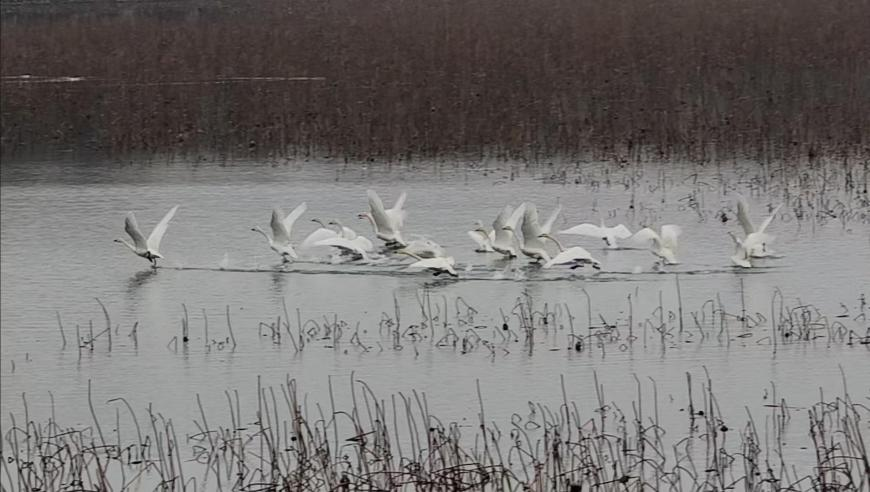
(58, 255)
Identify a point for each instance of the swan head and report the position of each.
(508, 228)
(118, 241)
(318, 221)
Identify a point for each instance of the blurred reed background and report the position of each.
(404, 79)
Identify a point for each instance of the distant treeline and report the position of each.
(421, 78)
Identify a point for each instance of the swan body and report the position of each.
(610, 235)
(758, 249)
(504, 228)
(146, 248)
(282, 227)
(743, 248)
(319, 234)
(482, 237)
(424, 248)
(574, 256)
(437, 265)
(387, 224)
(664, 244)
(344, 239)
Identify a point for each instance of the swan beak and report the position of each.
(116, 240)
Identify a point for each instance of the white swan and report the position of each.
(150, 248)
(505, 226)
(758, 247)
(437, 265)
(347, 241)
(574, 256)
(609, 234)
(482, 237)
(282, 227)
(387, 224)
(424, 248)
(533, 244)
(743, 248)
(663, 245)
(319, 234)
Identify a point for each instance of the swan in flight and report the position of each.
(743, 248)
(609, 234)
(281, 229)
(342, 238)
(533, 244)
(347, 241)
(437, 265)
(387, 223)
(424, 248)
(574, 256)
(504, 227)
(758, 247)
(663, 245)
(482, 237)
(150, 248)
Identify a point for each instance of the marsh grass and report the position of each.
(381, 79)
(395, 443)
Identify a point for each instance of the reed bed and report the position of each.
(395, 443)
(381, 79)
(582, 325)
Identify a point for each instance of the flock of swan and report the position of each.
(515, 232)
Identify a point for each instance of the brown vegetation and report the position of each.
(392, 79)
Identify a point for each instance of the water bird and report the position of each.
(387, 223)
(482, 237)
(424, 248)
(610, 235)
(743, 248)
(533, 245)
(574, 257)
(347, 241)
(505, 226)
(150, 248)
(662, 245)
(282, 227)
(758, 247)
(437, 265)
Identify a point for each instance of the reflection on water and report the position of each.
(87, 206)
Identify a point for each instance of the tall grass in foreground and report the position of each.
(395, 443)
(503, 78)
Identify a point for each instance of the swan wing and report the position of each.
(531, 228)
(379, 214)
(436, 263)
(620, 232)
(516, 215)
(768, 220)
(279, 232)
(743, 215)
(293, 216)
(584, 230)
(669, 235)
(341, 243)
(160, 229)
(132, 228)
(570, 255)
(364, 243)
(502, 218)
(548, 225)
(317, 236)
(478, 239)
(645, 235)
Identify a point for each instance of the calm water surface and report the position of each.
(59, 220)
